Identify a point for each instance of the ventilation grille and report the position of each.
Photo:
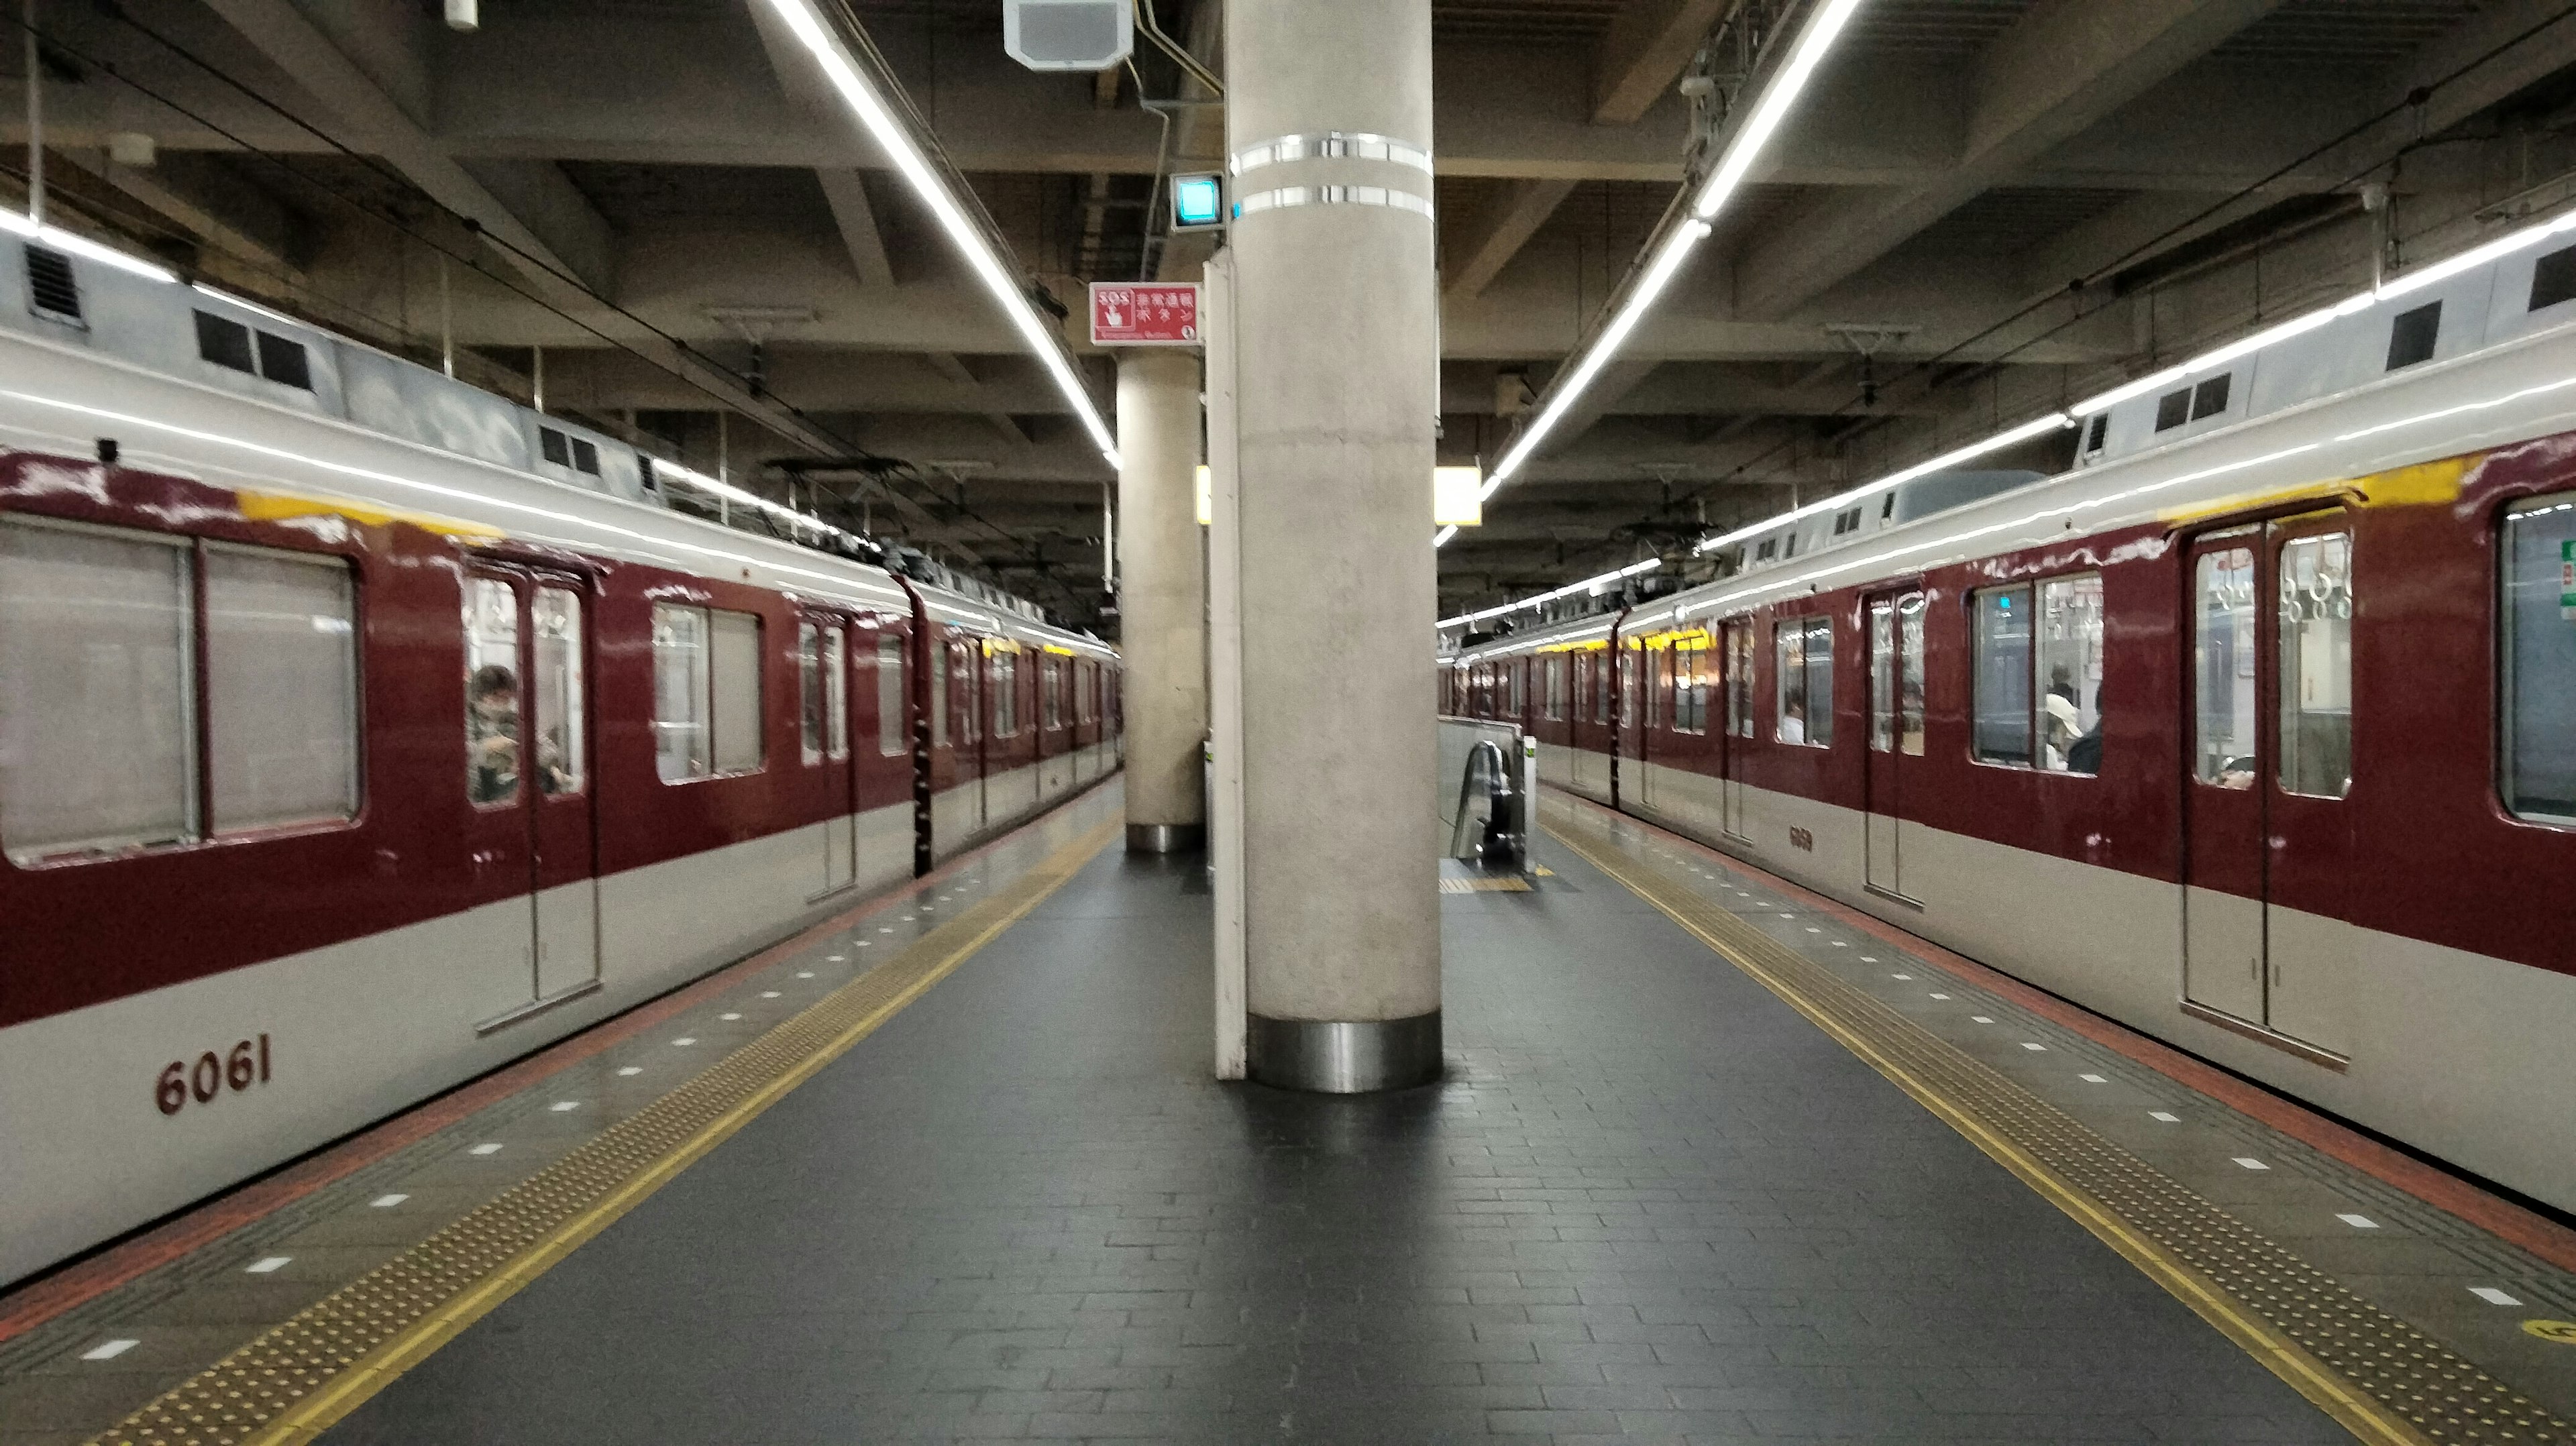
(51, 289)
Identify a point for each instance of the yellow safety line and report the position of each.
(2310, 1377)
(314, 1414)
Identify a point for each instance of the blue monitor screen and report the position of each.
(1195, 200)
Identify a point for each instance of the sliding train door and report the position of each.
(2268, 835)
(1735, 659)
(528, 774)
(1895, 731)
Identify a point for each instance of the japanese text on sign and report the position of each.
(1147, 314)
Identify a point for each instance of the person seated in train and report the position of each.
(2060, 719)
(1793, 723)
(492, 733)
(552, 775)
(2084, 755)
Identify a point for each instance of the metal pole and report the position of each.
(446, 322)
(1108, 537)
(540, 378)
(35, 124)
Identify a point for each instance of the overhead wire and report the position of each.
(2413, 101)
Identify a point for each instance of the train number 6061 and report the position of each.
(246, 1064)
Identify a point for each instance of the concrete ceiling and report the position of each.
(658, 187)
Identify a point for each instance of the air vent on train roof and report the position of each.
(51, 290)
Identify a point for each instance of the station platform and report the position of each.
(1715, 1160)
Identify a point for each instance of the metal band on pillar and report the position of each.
(1287, 196)
(1330, 145)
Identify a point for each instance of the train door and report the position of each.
(528, 742)
(824, 726)
(1735, 660)
(2268, 834)
(971, 675)
(1653, 670)
(1895, 730)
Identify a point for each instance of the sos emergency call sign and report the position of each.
(1150, 313)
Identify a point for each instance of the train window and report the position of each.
(284, 362)
(554, 446)
(811, 710)
(1690, 688)
(2316, 666)
(2070, 674)
(2553, 278)
(706, 692)
(1051, 693)
(225, 343)
(2094, 435)
(585, 457)
(1626, 672)
(890, 697)
(2210, 397)
(939, 695)
(1804, 651)
(561, 694)
(836, 692)
(1739, 679)
(2223, 668)
(1770, 548)
(2038, 680)
(1006, 695)
(2000, 727)
(1599, 686)
(281, 688)
(491, 691)
(96, 673)
(2411, 336)
(2173, 409)
(1520, 686)
(734, 690)
(2538, 762)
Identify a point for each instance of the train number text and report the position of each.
(1800, 838)
(211, 1074)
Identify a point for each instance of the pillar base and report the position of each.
(1344, 1057)
(1166, 838)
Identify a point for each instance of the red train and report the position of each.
(337, 767)
(2255, 730)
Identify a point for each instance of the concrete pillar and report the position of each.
(1328, 122)
(1162, 599)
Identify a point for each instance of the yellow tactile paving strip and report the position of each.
(2379, 1377)
(300, 1377)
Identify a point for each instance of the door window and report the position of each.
(2223, 668)
(1739, 680)
(890, 706)
(562, 757)
(1882, 676)
(2537, 763)
(1909, 672)
(2316, 666)
(491, 691)
(1805, 655)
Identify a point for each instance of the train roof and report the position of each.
(196, 382)
(2365, 441)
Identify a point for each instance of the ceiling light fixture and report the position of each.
(896, 140)
(1824, 25)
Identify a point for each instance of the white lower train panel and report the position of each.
(358, 1031)
(2457, 1054)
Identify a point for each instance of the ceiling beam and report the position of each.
(1643, 53)
(845, 190)
(2063, 66)
(1483, 246)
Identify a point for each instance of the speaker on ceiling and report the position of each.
(1067, 34)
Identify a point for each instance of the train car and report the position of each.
(361, 731)
(2254, 730)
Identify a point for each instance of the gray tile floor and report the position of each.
(1650, 1202)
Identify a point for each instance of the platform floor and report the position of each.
(1656, 1198)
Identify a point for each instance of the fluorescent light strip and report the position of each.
(1571, 588)
(2038, 426)
(62, 240)
(899, 146)
(1742, 150)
